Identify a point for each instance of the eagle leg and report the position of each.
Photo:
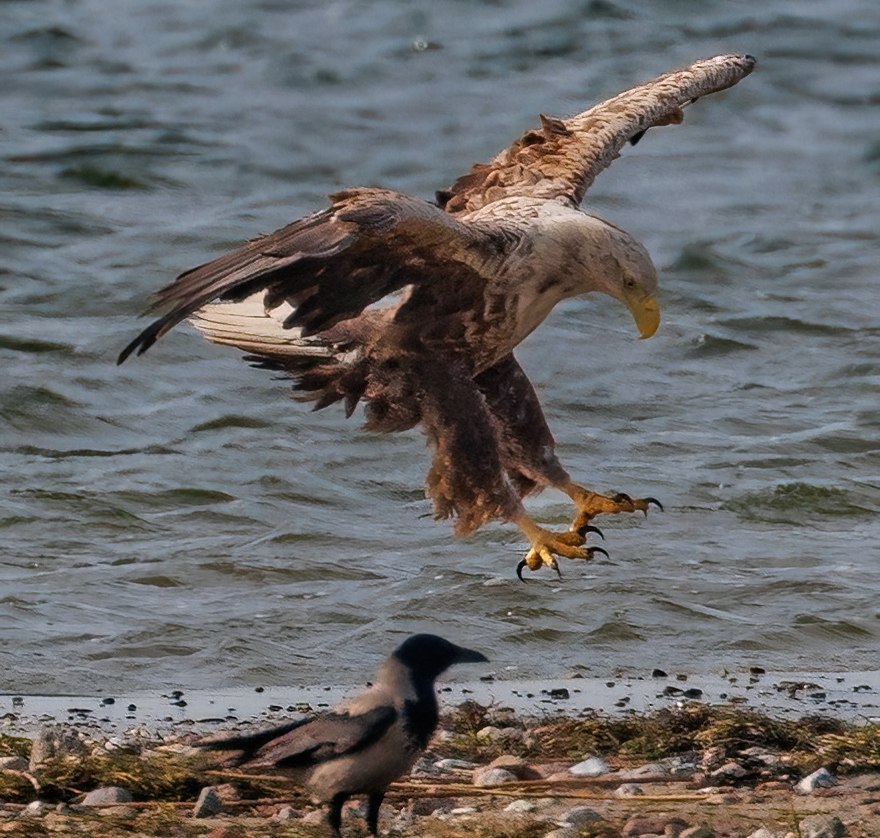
(546, 545)
(590, 504)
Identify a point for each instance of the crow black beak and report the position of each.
(469, 656)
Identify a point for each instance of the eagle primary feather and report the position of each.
(415, 308)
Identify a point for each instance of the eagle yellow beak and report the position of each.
(646, 313)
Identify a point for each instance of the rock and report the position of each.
(723, 799)
(314, 818)
(650, 769)
(580, 815)
(564, 832)
(502, 717)
(455, 764)
(674, 827)
(763, 832)
(701, 831)
(35, 809)
(659, 824)
(821, 779)
(821, 826)
(209, 803)
(516, 766)
(464, 810)
(425, 767)
(286, 813)
(628, 790)
(107, 796)
(590, 767)
(118, 812)
(223, 831)
(55, 742)
(679, 766)
(713, 757)
(771, 786)
(508, 736)
(422, 806)
(729, 771)
(13, 764)
(766, 757)
(638, 825)
(549, 769)
(488, 777)
(520, 806)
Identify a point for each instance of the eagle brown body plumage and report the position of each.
(414, 308)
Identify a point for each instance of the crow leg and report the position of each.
(334, 813)
(374, 801)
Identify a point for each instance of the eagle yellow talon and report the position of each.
(547, 545)
(590, 504)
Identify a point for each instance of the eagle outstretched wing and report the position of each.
(563, 158)
(334, 263)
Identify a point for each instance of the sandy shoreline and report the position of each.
(666, 764)
(847, 695)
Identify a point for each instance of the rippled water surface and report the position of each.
(180, 521)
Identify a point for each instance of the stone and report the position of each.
(107, 796)
(763, 832)
(209, 803)
(629, 790)
(53, 743)
(638, 825)
(821, 826)
(35, 809)
(701, 831)
(549, 769)
(520, 806)
(422, 806)
(13, 764)
(118, 812)
(590, 767)
(314, 818)
(564, 832)
(730, 771)
(713, 757)
(455, 764)
(490, 732)
(489, 777)
(821, 779)
(516, 766)
(659, 824)
(679, 766)
(650, 769)
(286, 813)
(580, 815)
(674, 827)
(223, 831)
(507, 736)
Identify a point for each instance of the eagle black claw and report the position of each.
(582, 531)
(519, 569)
(656, 503)
(598, 550)
(622, 497)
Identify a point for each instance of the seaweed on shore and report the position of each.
(667, 732)
(165, 775)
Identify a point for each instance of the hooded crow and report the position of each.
(368, 741)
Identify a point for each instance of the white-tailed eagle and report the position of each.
(415, 308)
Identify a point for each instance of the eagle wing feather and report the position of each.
(331, 265)
(563, 158)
